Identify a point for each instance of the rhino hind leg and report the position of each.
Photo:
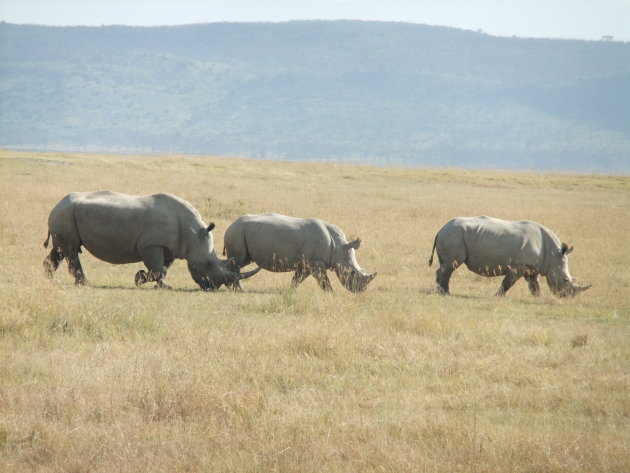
(69, 248)
(75, 268)
(235, 249)
(443, 276)
(70, 251)
(51, 262)
(236, 285)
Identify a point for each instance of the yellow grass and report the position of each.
(111, 378)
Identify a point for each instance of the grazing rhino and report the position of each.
(119, 229)
(493, 247)
(307, 246)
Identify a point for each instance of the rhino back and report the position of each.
(113, 226)
(278, 242)
(487, 244)
(494, 244)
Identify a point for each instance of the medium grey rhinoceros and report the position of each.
(493, 247)
(307, 246)
(118, 228)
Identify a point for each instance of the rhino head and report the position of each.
(213, 273)
(559, 280)
(207, 269)
(350, 274)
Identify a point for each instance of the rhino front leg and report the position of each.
(319, 273)
(154, 259)
(301, 273)
(511, 276)
(141, 277)
(532, 281)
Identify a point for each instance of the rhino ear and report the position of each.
(353, 244)
(205, 231)
(229, 263)
(566, 249)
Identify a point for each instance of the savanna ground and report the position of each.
(114, 378)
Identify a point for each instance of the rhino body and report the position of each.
(119, 229)
(307, 246)
(493, 247)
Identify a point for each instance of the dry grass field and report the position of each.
(114, 378)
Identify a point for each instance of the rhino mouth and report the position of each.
(206, 284)
(567, 288)
(356, 281)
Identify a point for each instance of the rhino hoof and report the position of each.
(141, 278)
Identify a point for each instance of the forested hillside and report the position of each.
(389, 93)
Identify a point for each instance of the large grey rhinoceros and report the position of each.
(308, 246)
(492, 247)
(119, 228)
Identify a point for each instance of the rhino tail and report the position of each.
(433, 250)
(47, 240)
(224, 252)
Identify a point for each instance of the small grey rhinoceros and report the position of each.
(492, 247)
(119, 228)
(308, 246)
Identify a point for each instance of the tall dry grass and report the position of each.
(111, 378)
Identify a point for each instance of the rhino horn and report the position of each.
(370, 277)
(579, 289)
(571, 290)
(249, 274)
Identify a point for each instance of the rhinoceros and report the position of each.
(308, 246)
(492, 247)
(119, 228)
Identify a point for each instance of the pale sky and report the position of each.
(571, 19)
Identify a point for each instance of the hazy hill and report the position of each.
(344, 90)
